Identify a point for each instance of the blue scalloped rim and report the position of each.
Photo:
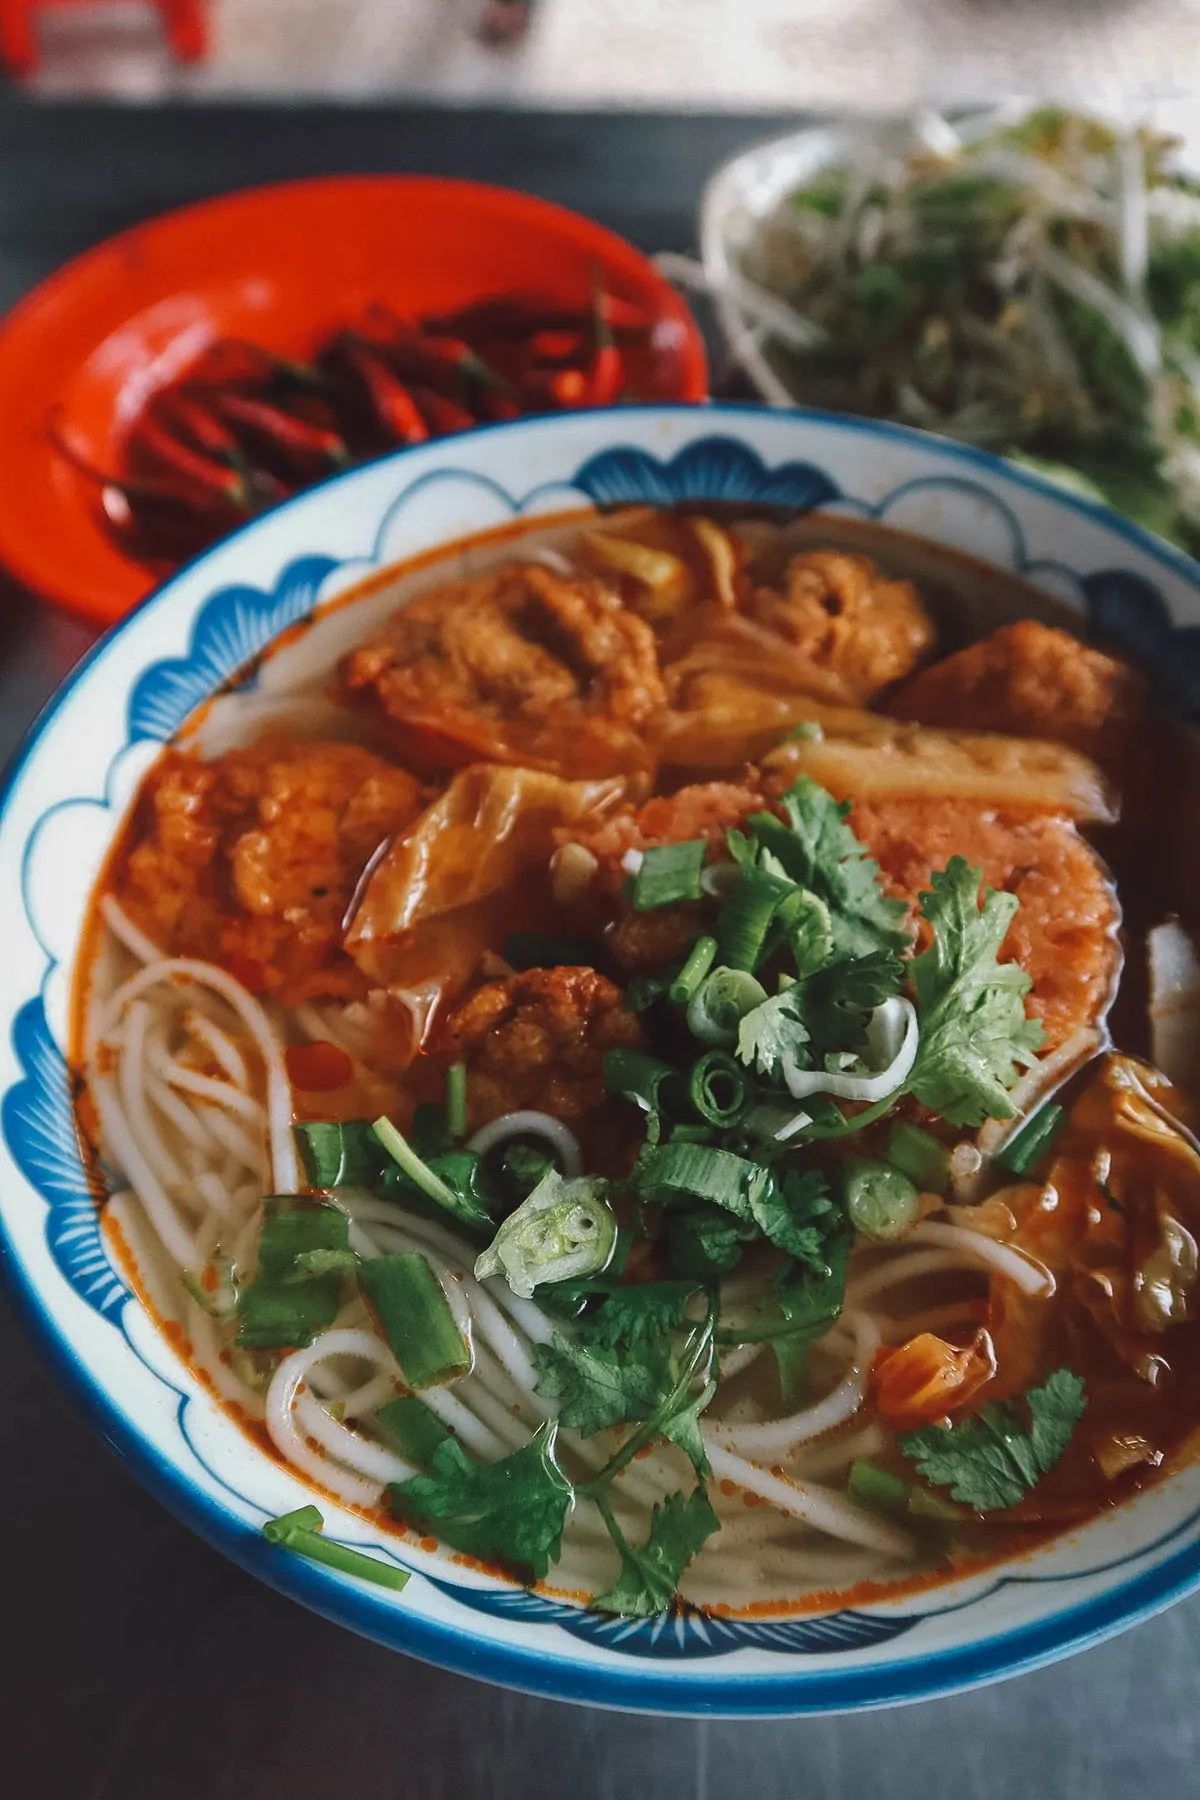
(35, 1116)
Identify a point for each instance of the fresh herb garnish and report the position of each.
(668, 873)
(563, 1231)
(975, 1037)
(992, 1460)
(512, 1511)
(301, 1531)
(818, 850)
(679, 1528)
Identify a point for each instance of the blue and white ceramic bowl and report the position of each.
(64, 802)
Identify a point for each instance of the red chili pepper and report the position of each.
(507, 315)
(443, 415)
(152, 442)
(192, 416)
(394, 411)
(301, 449)
(236, 362)
(608, 369)
(420, 353)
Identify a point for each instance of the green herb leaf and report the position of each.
(798, 1214)
(640, 1313)
(839, 1000)
(512, 1511)
(683, 1428)
(975, 1037)
(679, 1528)
(747, 915)
(820, 852)
(669, 873)
(705, 1241)
(775, 1034)
(991, 1461)
(597, 1386)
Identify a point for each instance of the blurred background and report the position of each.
(875, 54)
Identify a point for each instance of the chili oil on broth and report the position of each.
(774, 1565)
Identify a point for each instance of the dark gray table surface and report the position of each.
(136, 1664)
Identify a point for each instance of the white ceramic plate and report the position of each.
(65, 799)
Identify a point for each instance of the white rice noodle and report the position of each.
(531, 1124)
(355, 1402)
(737, 1359)
(1023, 1271)
(777, 1437)
(128, 1213)
(285, 1174)
(131, 1081)
(835, 1456)
(207, 1087)
(458, 1417)
(220, 1047)
(361, 1454)
(122, 1147)
(127, 933)
(819, 1507)
(230, 1135)
(912, 1266)
(284, 1428)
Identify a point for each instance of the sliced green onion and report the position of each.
(416, 1429)
(462, 1205)
(699, 962)
(288, 1316)
(920, 1156)
(414, 1316)
(699, 1171)
(1028, 1146)
(344, 1154)
(564, 1231)
(804, 731)
(877, 1489)
(301, 1531)
(638, 1078)
(881, 1202)
(287, 1303)
(884, 1492)
(668, 873)
(456, 1101)
(746, 917)
(719, 1088)
(720, 1004)
(805, 922)
(322, 1262)
(541, 950)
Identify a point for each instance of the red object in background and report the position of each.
(284, 267)
(185, 25)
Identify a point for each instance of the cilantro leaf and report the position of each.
(798, 1214)
(649, 1576)
(598, 1387)
(821, 853)
(991, 1461)
(774, 1034)
(683, 1428)
(640, 1313)
(512, 1511)
(839, 1000)
(975, 1036)
(705, 1241)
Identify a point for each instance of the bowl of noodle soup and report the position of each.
(600, 1078)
